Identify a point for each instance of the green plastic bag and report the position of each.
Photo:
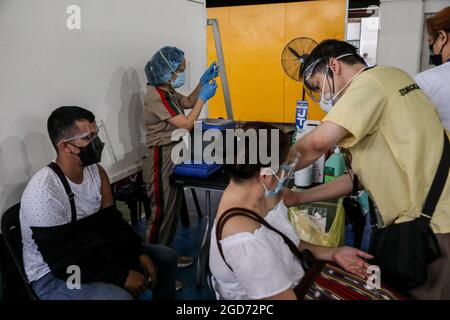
(330, 235)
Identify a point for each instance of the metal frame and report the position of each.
(223, 74)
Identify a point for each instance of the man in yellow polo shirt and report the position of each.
(394, 135)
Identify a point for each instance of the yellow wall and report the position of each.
(253, 38)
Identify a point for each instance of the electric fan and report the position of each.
(294, 55)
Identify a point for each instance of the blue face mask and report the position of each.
(277, 190)
(179, 81)
(286, 174)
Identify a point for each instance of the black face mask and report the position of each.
(92, 153)
(436, 59)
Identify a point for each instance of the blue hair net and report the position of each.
(160, 67)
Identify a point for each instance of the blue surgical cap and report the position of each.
(160, 67)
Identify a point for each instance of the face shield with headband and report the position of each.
(181, 76)
(286, 172)
(325, 99)
(92, 152)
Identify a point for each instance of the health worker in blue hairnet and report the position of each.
(163, 113)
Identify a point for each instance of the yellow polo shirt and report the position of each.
(396, 143)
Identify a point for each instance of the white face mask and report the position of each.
(326, 102)
(327, 99)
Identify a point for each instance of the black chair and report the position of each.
(132, 191)
(12, 235)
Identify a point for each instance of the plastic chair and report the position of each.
(10, 227)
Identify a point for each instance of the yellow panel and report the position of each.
(216, 106)
(253, 38)
(318, 20)
(257, 39)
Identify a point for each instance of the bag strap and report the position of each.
(305, 259)
(355, 185)
(54, 166)
(355, 180)
(440, 178)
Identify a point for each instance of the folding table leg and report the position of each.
(202, 256)
(197, 205)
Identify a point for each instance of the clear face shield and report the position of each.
(180, 76)
(87, 136)
(312, 91)
(316, 92)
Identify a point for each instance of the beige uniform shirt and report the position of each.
(159, 106)
(396, 142)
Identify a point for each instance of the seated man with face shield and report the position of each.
(76, 246)
(247, 259)
(397, 143)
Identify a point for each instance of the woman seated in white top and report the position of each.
(259, 264)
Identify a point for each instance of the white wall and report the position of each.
(43, 65)
(401, 37)
(369, 39)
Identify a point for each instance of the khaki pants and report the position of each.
(165, 198)
(437, 286)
